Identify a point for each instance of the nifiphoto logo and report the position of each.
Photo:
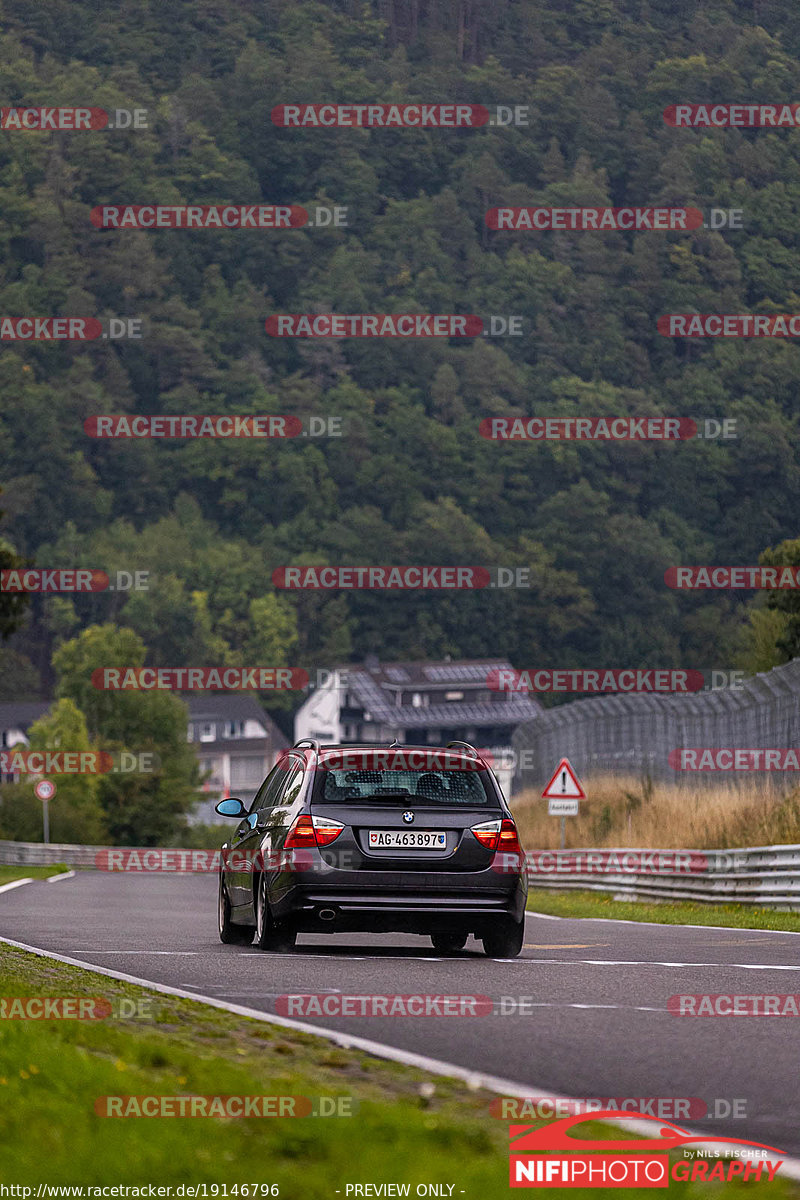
(557, 1157)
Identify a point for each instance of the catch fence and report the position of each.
(635, 734)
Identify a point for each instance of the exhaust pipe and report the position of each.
(327, 914)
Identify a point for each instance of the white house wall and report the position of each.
(318, 717)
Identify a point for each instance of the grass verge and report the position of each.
(408, 1128)
(632, 811)
(596, 904)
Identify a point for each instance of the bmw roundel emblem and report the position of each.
(408, 817)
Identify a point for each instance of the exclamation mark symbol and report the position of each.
(563, 782)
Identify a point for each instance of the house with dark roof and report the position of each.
(420, 703)
(237, 742)
(231, 734)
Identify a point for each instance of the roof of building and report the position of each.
(21, 714)
(374, 685)
(240, 747)
(233, 707)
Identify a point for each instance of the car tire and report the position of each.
(270, 936)
(230, 934)
(505, 941)
(449, 941)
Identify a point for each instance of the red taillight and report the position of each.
(509, 856)
(488, 833)
(312, 831)
(301, 835)
(326, 830)
(508, 842)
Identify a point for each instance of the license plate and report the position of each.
(406, 839)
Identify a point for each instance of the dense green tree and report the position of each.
(410, 479)
(141, 808)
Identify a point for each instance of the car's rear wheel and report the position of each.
(505, 940)
(448, 941)
(270, 936)
(230, 934)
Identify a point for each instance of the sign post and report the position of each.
(562, 794)
(45, 790)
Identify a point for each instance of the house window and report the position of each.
(190, 732)
(207, 732)
(350, 732)
(234, 729)
(247, 773)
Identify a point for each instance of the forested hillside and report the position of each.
(410, 480)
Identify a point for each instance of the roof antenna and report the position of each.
(394, 743)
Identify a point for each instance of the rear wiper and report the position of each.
(376, 796)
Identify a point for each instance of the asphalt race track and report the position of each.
(600, 1025)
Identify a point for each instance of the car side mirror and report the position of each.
(232, 807)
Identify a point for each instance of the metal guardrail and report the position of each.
(767, 876)
(37, 854)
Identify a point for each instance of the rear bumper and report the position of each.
(472, 902)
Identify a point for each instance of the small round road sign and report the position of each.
(45, 790)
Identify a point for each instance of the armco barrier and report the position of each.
(767, 876)
(36, 854)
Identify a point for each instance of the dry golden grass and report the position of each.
(626, 811)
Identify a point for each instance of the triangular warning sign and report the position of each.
(565, 783)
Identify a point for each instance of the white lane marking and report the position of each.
(546, 916)
(566, 962)
(62, 875)
(623, 962)
(563, 945)
(275, 995)
(15, 883)
(435, 1066)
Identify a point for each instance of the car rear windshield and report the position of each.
(386, 787)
